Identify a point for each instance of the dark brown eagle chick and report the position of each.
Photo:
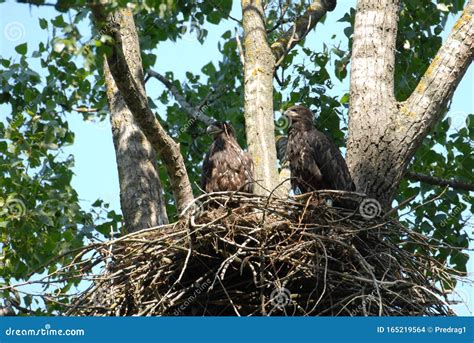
(226, 166)
(315, 161)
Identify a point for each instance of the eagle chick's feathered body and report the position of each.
(315, 161)
(226, 166)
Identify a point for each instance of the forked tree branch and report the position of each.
(375, 162)
(438, 181)
(301, 27)
(437, 86)
(136, 158)
(133, 92)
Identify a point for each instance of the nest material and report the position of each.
(237, 254)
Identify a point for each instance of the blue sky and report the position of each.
(95, 167)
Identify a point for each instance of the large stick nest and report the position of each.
(237, 254)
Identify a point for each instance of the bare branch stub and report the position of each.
(239, 47)
(301, 27)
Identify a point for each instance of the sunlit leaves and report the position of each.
(35, 173)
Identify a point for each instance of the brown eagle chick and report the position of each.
(315, 161)
(226, 166)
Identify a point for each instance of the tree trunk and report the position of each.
(126, 68)
(260, 60)
(384, 134)
(141, 194)
(258, 98)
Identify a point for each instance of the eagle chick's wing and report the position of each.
(328, 157)
(242, 165)
(300, 152)
(207, 166)
(226, 167)
(248, 170)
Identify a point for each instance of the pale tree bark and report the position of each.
(258, 98)
(384, 134)
(120, 24)
(141, 195)
(260, 60)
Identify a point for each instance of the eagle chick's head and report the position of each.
(219, 128)
(299, 115)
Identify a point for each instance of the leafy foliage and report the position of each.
(40, 214)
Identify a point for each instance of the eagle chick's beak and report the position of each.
(289, 114)
(213, 129)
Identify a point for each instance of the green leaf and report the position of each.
(459, 259)
(214, 17)
(58, 21)
(43, 23)
(22, 49)
(5, 63)
(227, 34)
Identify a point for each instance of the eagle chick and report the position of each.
(226, 166)
(315, 161)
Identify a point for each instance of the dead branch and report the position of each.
(302, 26)
(193, 112)
(438, 181)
